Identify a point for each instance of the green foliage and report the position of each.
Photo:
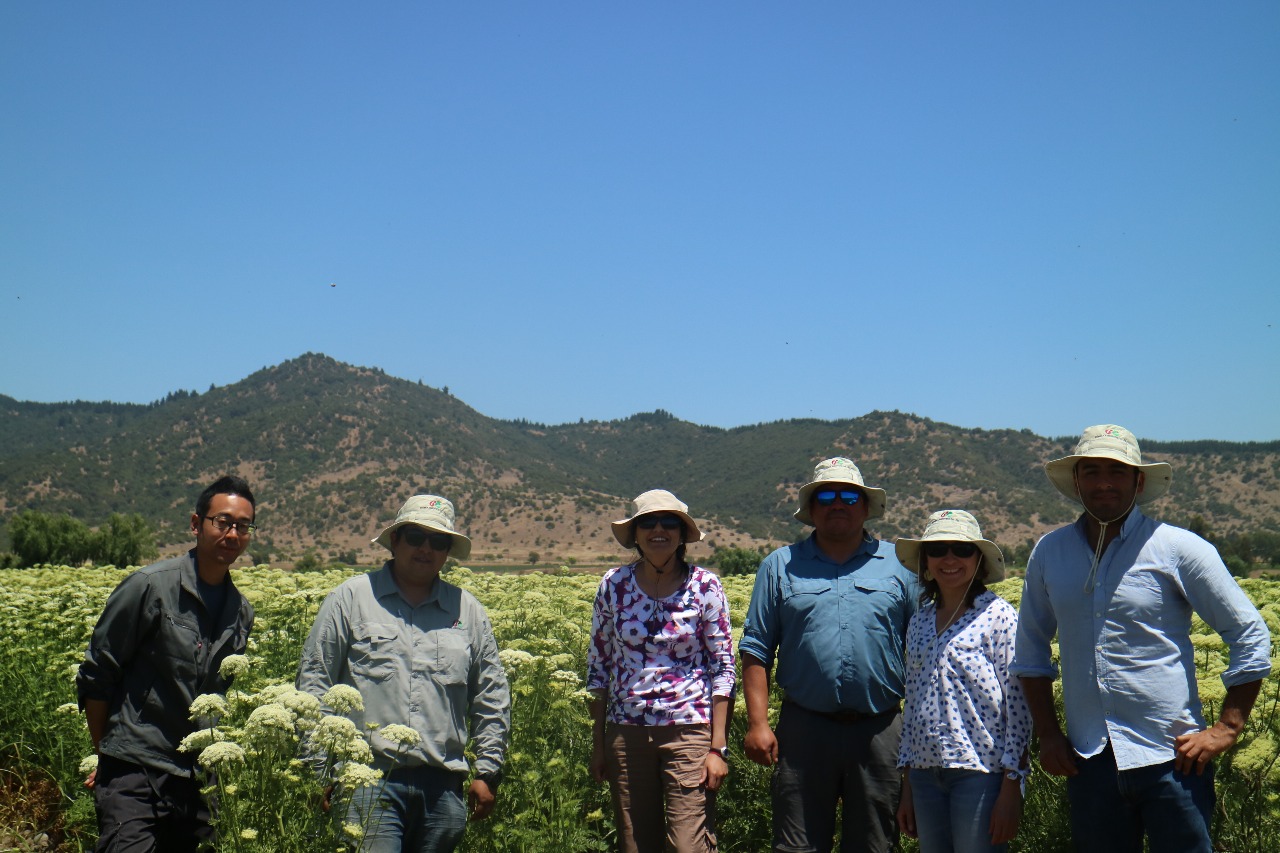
(735, 561)
(50, 538)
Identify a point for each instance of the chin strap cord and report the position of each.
(1092, 581)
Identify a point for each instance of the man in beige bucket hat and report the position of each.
(422, 654)
(1118, 589)
(833, 609)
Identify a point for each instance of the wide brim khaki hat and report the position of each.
(435, 514)
(838, 471)
(648, 503)
(1108, 441)
(952, 525)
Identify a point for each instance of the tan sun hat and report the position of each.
(1108, 441)
(833, 472)
(648, 503)
(952, 525)
(435, 514)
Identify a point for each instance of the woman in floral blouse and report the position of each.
(965, 725)
(660, 673)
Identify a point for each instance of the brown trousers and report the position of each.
(658, 800)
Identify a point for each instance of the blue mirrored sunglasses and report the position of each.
(827, 498)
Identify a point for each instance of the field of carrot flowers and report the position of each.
(269, 795)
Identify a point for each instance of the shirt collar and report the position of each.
(384, 584)
(869, 546)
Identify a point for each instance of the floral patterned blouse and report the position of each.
(964, 710)
(658, 662)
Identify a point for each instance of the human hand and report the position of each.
(907, 811)
(761, 745)
(1056, 755)
(1006, 813)
(480, 798)
(1195, 750)
(714, 769)
(91, 781)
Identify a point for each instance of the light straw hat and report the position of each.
(648, 503)
(1108, 441)
(435, 514)
(838, 471)
(952, 525)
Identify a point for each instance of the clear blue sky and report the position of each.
(1039, 215)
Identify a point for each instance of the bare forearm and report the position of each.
(1237, 705)
(755, 685)
(96, 712)
(719, 721)
(1039, 693)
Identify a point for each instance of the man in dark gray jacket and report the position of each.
(159, 643)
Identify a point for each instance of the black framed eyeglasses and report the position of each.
(937, 550)
(414, 537)
(667, 522)
(828, 497)
(223, 523)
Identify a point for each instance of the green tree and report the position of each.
(42, 537)
(125, 540)
(736, 561)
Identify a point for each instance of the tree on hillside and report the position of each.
(42, 537)
(735, 561)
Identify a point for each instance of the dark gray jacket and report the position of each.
(148, 661)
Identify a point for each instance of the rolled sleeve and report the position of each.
(1037, 626)
(760, 634)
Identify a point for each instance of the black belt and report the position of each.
(843, 716)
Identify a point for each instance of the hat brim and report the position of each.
(460, 549)
(624, 532)
(908, 551)
(1157, 477)
(876, 498)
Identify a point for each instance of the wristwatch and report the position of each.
(722, 751)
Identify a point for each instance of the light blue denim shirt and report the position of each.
(838, 630)
(1128, 666)
(433, 668)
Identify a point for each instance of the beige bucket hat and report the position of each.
(432, 512)
(952, 525)
(834, 472)
(648, 503)
(1108, 441)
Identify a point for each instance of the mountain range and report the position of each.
(332, 450)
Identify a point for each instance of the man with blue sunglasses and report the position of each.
(833, 610)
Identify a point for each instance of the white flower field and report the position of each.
(270, 788)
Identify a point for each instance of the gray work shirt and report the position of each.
(433, 667)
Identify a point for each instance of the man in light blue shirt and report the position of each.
(833, 610)
(1119, 590)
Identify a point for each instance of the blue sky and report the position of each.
(1022, 215)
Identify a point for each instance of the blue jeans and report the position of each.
(1111, 809)
(417, 810)
(953, 809)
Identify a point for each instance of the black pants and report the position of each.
(142, 810)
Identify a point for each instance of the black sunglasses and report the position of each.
(827, 498)
(667, 522)
(936, 550)
(415, 536)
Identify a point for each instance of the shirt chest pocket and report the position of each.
(881, 591)
(451, 660)
(373, 651)
(178, 645)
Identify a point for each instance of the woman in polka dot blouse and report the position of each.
(965, 725)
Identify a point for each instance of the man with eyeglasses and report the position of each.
(158, 645)
(421, 652)
(1119, 589)
(833, 610)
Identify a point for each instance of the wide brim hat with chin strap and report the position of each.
(1108, 441)
(435, 514)
(952, 525)
(838, 471)
(649, 503)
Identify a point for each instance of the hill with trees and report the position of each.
(332, 450)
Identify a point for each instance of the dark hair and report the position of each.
(680, 549)
(930, 593)
(228, 485)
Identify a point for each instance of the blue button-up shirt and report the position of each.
(1128, 667)
(838, 629)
